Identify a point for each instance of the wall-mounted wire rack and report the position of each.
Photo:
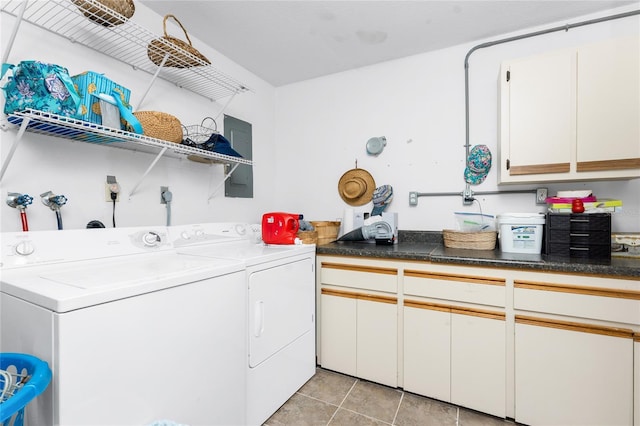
(83, 131)
(127, 43)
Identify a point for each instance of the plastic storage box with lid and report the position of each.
(521, 232)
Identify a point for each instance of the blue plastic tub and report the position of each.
(22, 378)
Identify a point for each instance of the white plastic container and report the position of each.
(521, 232)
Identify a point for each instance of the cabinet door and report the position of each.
(636, 380)
(539, 115)
(338, 339)
(427, 352)
(608, 99)
(478, 362)
(571, 374)
(377, 340)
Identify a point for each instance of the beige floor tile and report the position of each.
(328, 386)
(373, 400)
(419, 411)
(301, 410)
(349, 418)
(473, 418)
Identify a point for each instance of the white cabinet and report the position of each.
(608, 96)
(574, 352)
(636, 380)
(358, 323)
(455, 355)
(572, 114)
(452, 351)
(581, 374)
(427, 351)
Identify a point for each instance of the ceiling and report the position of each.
(284, 42)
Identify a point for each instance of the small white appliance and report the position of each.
(280, 284)
(133, 332)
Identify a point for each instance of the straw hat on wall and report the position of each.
(356, 187)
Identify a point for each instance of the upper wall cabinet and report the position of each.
(572, 114)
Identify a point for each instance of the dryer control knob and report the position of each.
(151, 239)
(24, 248)
(185, 235)
(199, 233)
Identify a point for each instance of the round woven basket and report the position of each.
(483, 240)
(107, 13)
(176, 48)
(308, 237)
(327, 231)
(160, 125)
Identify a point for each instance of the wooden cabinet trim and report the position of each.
(359, 268)
(360, 296)
(636, 337)
(455, 277)
(575, 326)
(426, 305)
(575, 289)
(455, 309)
(596, 166)
(537, 169)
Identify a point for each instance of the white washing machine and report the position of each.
(133, 332)
(280, 354)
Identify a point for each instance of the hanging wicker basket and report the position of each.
(181, 54)
(160, 125)
(107, 13)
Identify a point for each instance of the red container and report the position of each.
(280, 228)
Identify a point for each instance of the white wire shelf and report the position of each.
(127, 43)
(65, 127)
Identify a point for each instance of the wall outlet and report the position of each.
(541, 195)
(413, 198)
(111, 187)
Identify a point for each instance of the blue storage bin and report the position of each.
(22, 378)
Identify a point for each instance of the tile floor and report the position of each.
(329, 398)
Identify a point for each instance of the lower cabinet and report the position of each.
(636, 380)
(360, 335)
(570, 373)
(456, 355)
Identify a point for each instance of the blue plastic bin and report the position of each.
(34, 376)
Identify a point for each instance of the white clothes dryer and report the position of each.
(281, 328)
(132, 332)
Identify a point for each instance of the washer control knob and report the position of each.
(151, 239)
(185, 235)
(24, 248)
(199, 233)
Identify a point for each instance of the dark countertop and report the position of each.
(428, 246)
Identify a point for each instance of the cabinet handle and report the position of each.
(575, 289)
(579, 220)
(579, 235)
(576, 326)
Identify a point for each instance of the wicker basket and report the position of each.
(327, 231)
(308, 237)
(483, 240)
(176, 48)
(160, 125)
(107, 13)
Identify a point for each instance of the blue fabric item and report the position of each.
(221, 145)
(382, 197)
(478, 165)
(40, 86)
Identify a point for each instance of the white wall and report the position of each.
(305, 136)
(322, 126)
(78, 170)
